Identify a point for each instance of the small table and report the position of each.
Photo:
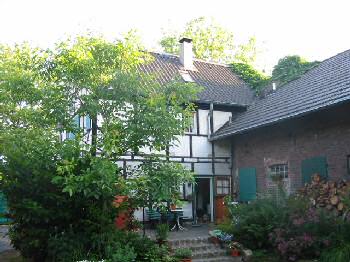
(177, 212)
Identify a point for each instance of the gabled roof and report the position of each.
(323, 86)
(220, 84)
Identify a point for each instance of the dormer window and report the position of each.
(186, 76)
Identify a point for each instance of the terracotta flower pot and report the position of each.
(186, 260)
(122, 220)
(235, 253)
(172, 206)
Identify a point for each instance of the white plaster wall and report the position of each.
(222, 169)
(120, 164)
(203, 169)
(138, 214)
(180, 147)
(203, 121)
(220, 118)
(201, 147)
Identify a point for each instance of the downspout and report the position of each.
(233, 176)
(211, 131)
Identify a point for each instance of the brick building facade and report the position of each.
(322, 134)
(303, 128)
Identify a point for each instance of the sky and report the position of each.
(312, 29)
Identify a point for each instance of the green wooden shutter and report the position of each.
(247, 184)
(314, 165)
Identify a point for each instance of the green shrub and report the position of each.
(251, 223)
(123, 254)
(162, 231)
(336, 254)
(182, 253)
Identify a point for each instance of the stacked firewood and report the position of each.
(331, 195)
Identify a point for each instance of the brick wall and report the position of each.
(325, 133)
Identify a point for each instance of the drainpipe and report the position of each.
(233, 181)
(211, 131)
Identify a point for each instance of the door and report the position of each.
(247, 184)
(202, 206)
(312, 166)
(222, 189)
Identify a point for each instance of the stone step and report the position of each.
(195, 248)
(209, 253)
(203, 250)
(187, 242)
(218, 259)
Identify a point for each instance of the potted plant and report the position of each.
(162, 233)
(183, 254)
(235, 249)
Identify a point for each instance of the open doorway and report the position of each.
(202, 203)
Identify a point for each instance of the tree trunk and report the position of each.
(94, 135)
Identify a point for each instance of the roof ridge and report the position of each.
(195, 59)
(313, 91)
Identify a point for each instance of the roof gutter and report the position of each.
(221, 103)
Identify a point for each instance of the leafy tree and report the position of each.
(154, 183)
(251, 76)
(60, 192)
(211, 41)
(290, 68)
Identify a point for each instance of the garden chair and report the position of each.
(154, 217)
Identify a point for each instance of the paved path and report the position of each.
(4, 239)
(191, 232)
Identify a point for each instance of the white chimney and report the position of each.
(273, 86)
(186, 53)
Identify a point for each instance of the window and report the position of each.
(186, 76)
(223, 186)
(278, 183)
(279, 171)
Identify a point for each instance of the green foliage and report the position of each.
(336, 254)
(181, 253)
(251, 76)
(155, 182)
(289, 68)
(291, 227)
(123, 254)
(162, 231)
(212, 42)
(251, 223)
(145, 248)
(59, 190)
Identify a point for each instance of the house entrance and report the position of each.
(202, 204)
